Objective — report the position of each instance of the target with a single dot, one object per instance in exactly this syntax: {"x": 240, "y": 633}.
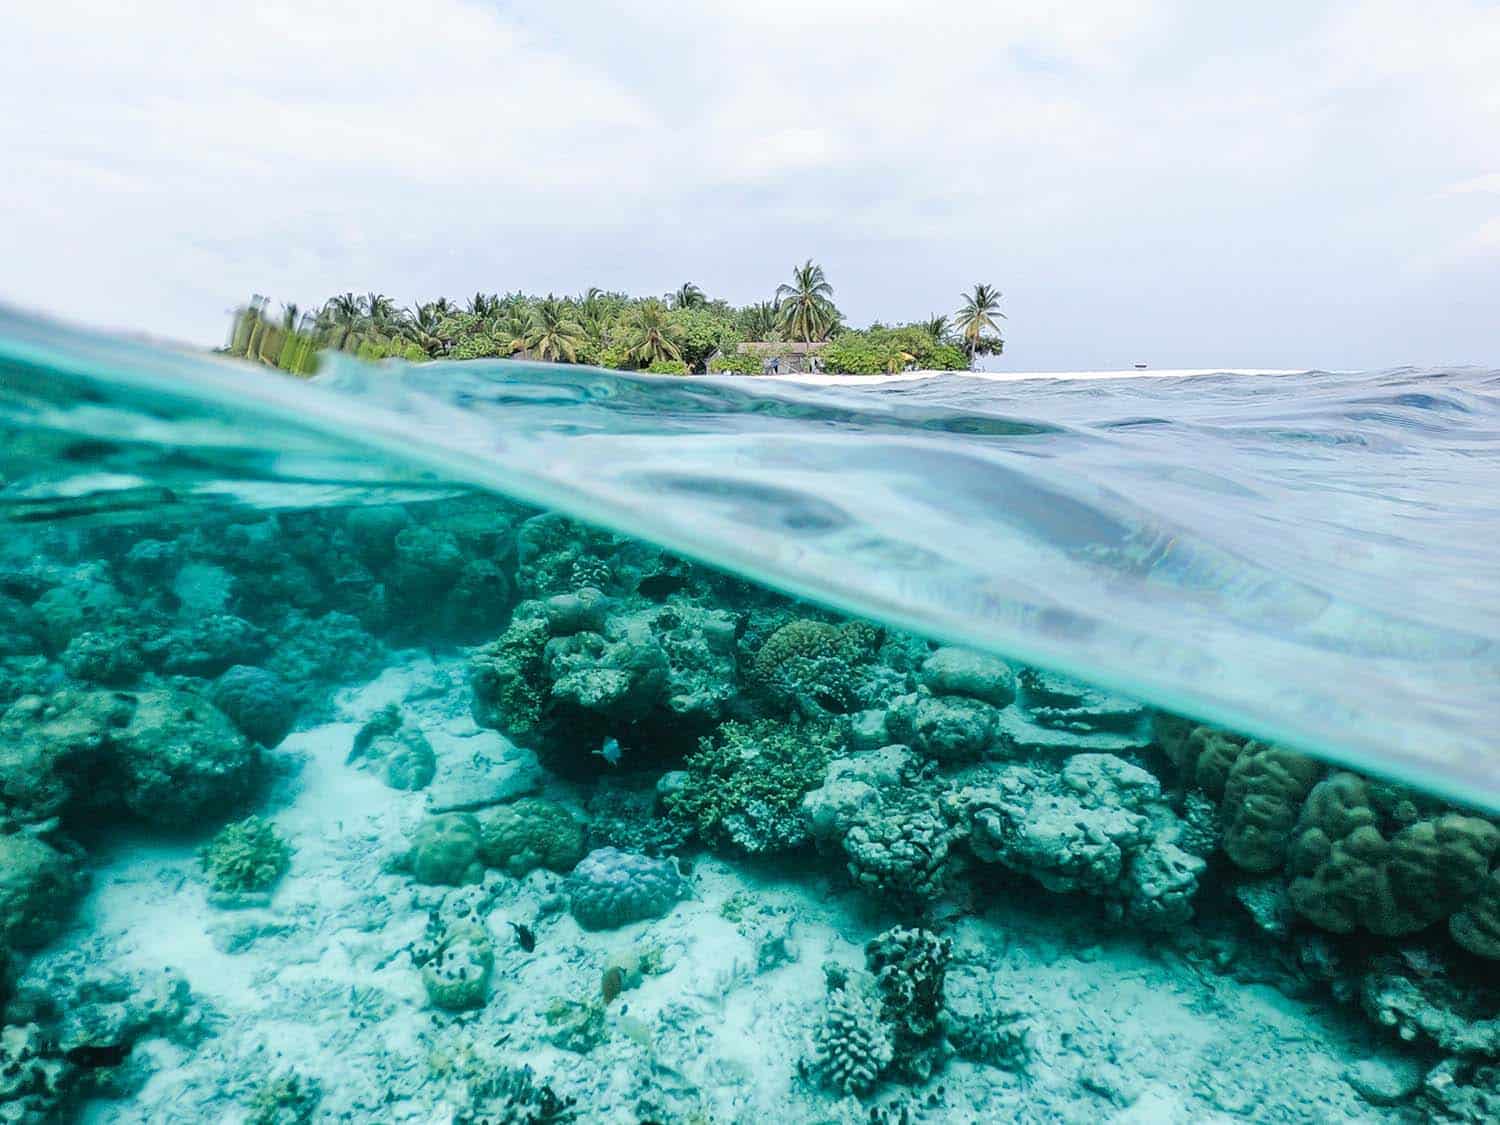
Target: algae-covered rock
{"x": 610, "y": 888}
{"x": 445, "y": 851}
{"x": 37, "y": 886}
{"x": 945, "y": 728}
{"x": 395, "y": 751}
{"x": 258, "y": 702}
{"x": 457, "y": 976}
{"x": 744, "y": 788}
{"x": 909, "y": 967}
{"x": 179, "y": 759}
{"x": 963, "y": 671}
{"x": 809, "y": 666}
{"x": 110, "y": 658}
{"x": 530, "y": 833}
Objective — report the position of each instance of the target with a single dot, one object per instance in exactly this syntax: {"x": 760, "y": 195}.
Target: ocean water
{"x": 501, "y": 742}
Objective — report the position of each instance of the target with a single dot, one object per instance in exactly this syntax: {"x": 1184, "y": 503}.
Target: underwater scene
{"x": 499, "y": 744}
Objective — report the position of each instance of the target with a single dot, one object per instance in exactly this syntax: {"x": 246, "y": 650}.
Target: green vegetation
{"x": 688, "y": 332}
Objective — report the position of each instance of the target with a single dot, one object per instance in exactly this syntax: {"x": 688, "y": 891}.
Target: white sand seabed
{"x": 1124, "y": 1030}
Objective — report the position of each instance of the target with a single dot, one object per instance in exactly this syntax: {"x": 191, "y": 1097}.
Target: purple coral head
{"x": 611, "y": 888}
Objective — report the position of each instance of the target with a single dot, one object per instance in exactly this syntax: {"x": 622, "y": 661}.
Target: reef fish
{"x": 610, "y": 751}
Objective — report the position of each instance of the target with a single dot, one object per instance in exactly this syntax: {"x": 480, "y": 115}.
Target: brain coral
{"x": 610, "y": 888}
{"x": 1263, "y": 796}
{"x": 1347, "y": 875}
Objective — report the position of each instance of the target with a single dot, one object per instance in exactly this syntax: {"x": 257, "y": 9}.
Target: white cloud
{"x": 1157, "y": 177}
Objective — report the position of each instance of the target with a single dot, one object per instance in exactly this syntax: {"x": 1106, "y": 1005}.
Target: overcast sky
{"x": 1294, "y": 184}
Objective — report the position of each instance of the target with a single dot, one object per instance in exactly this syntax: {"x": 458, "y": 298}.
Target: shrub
{"x": 736, "y": 363}
{"x": 668, "y": 367}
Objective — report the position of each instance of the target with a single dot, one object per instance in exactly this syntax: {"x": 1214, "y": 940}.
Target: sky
{"x": 1184, "y": 184}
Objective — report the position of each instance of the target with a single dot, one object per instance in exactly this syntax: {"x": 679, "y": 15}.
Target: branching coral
{"x": 745, "y": 786}
{"x": 246, "y": 857}
{"x": 852, "y": 1046}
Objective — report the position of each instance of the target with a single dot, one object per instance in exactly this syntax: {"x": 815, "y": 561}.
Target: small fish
{"x": 525, "y": 938}
{"x": 610, "y": 751}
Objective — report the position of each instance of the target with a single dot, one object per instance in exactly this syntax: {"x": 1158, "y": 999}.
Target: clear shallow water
{"x": 1307, "y": 557}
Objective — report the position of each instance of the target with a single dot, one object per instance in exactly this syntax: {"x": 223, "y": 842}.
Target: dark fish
{"x": 524, "y": 937}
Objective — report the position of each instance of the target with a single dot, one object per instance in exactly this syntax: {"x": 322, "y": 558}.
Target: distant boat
{"x": 1140, "y": 367}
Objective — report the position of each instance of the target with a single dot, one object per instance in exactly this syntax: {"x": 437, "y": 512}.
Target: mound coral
{"x": 1348, "y": 874}
{"x": 445, "y": 851}
{"x": 259, "y": 702}
{"x": 530, "y": 833}
{"x": 610, "y": 888}
{"x": 978, "y": 675}
{"x": 948, "y": 728}
{"x": 1263, "y": 795}
{"x": 457, "y": 975}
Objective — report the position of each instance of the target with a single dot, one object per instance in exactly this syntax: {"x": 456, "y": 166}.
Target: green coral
{"x": 249, "y": 856}
{"x": 445, "y": 851}
{"x": 530, "y": 833}
{"x": 508, "y": 675}
{"x": 744, "y": 787}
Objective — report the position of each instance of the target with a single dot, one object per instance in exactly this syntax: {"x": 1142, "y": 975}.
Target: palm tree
{"x": 758, "y": 321}
{"x": 975, "y": 315}
{"x": 651, "y": 335}
{"x": 554, "y": 334}
{"x": 512, "y": 329}
{"x": 482, "y": 305}
{"x": 806, "y": 305}
{"x": 380, "y": 310}
{"x": 688, "y": 296}
{"x": 343, "y": 316}
{"x": 936, "y": 326}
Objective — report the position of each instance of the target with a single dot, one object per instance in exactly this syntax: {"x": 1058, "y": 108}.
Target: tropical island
{"x": 800, "y": 329}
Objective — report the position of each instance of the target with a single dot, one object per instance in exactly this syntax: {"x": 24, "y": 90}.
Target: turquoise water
{"x": 1305, "y": 557}
{"x": 497, "y": 742}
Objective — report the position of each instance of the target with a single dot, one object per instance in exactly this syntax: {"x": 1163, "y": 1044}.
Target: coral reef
{"x": 909, "y": 967}
{"x": 37, "y": 885}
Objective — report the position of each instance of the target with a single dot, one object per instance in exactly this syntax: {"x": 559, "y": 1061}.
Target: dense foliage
{"x": 687, "y": 332}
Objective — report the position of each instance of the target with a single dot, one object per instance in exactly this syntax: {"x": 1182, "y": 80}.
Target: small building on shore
{"x": 785, "y": 357}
